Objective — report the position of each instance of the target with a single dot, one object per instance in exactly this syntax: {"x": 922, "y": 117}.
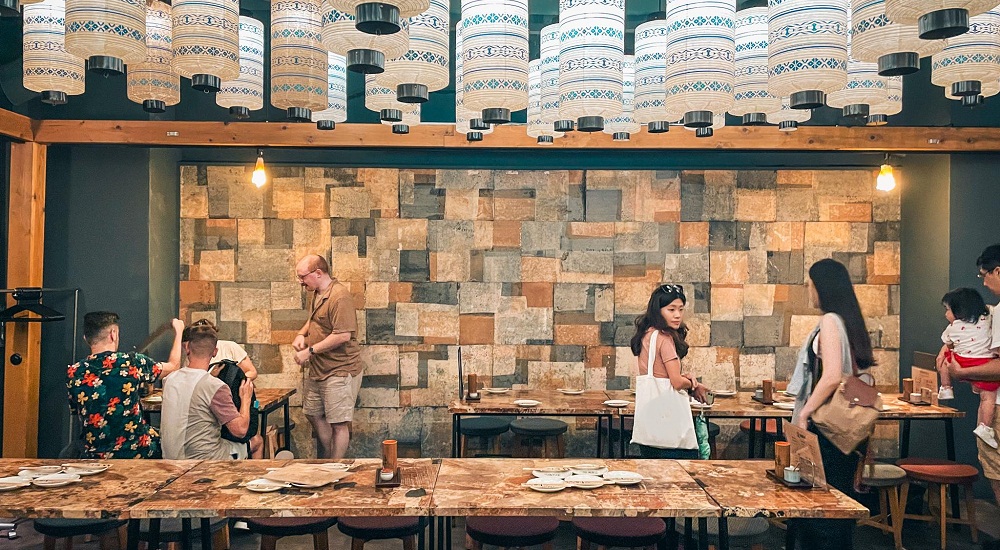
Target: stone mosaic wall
{"x": 536, "y": 275}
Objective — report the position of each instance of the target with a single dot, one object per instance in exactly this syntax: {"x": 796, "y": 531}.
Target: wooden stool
{"x": 770, "y": 434}
{"x": 713, "y": 432}
{"x": 364, "y": 529}
{"x": 110, "y": 532}
{"x": 488, "y": 429}
{"x": 887, "y": 479}
{"x": 511, "y": 532}
{"x": 618, "y": 532}
{"x": 547, "y": 432}
{"x": 942, "y": 473}
{"x": 272, "y": 529}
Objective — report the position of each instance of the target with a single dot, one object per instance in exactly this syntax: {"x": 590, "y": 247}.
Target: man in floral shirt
{"x": 104, "y": 390}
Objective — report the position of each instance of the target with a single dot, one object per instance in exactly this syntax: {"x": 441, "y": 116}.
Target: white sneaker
{"x": 986, "y": 434}
{"x": 945, "y": 393}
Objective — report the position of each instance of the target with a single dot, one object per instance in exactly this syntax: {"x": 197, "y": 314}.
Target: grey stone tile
{"x": 757, "y": 179}
{"x": 764, "y": 331}
{"x": 727, "y": 334}
{"x": 414, "y": 266}
{"x": 603, "y": 205}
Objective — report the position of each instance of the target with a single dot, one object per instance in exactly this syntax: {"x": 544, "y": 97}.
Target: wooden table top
{"x": 492, "y": 487}
{"x": 265, "y": 396}
{"x": 213, "y": 489}
{"x": 590, "y": 402}
{"x": 107, "y": 495}
{"x": 742, "y": 489}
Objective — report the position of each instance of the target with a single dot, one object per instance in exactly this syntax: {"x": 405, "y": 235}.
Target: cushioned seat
{"x": 538, "y": 427}
{"x": 511, "y": 532}
{"x": 886, "y": 478}
{"x": 289, "y": 527}
{"x": 713, "y": 430}
{"x": 883, "y": 475}
{"x": 933, "y": 470}
{"x": 378, "y": 528}
{"x": 942, "y": 473}
{"x": 546, "y": 433}
{"x": 770, "y": 427}
{"x": 485, "y": 426}
{"x": 620, "y": 532}
{"x": 59, "y": 528}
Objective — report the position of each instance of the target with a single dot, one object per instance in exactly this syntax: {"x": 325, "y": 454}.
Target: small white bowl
{"x": 622, "y": 477}
{"x": 582, "y": 481}
{"x": 545, "y": 485}
{"x": 55, "y": 480}
{"x": 265, "y": 485}
{"x": 589, "y": 469}
{"x": 527, "y": 403}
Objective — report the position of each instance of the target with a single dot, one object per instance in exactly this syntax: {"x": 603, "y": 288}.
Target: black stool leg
{"x": 133, "y": 534}
{"x": 702, "y": 533}
{"x": 154, "y": 534}
{"x": 186, "y": 533}
{"x": 421, "y": 543}
{"x": 752, "y": 438}
{"x": 671, "y": 533}
{"x": 723, "y": 533}
{"x": 790, "y": 532}
{"x": 688, "y": 534}
{"x": 206, "y": 532}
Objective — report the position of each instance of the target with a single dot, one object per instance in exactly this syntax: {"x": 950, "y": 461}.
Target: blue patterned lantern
{"x": 549, "y": 76}
{"x": 366, "y": 53}
{"x": 207, "y": 42}
{"x": 753, "y": 101}
{"x": 971, "y": 60}
{"x": 536, "y": 127}
{"x": 622, "y": 126}
{"x": 336, "y": 102}
{"x": 467, "y": 121}
{"x": 895, "y": 47}
{"x": 153, "y": 83}
{"x": 788, "y": 119}
{"x": 937, "y": 19}
{"x": 592, "y": 36}
{"x": 246, "y": 93}
{"x": 649, "y": 106}
{"x": 107, "y": 33}
{"x": 380, "y": 17}
{"x": 424, "y": 67}
{"x": 878, "y": 115}
{"x": 298, "y": 60}
{"x": 495, "y": 47}
{"x": 807, "y": 50}
{"x": 47, "y": 68}
{"x": 864, "y": 88}
{"x": 392, "y": 112}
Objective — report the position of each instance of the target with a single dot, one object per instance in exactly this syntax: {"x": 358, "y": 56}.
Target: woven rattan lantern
{"x": 649, "y": 107}
{"x": 878, "y": 115}
{"x": 47, "y": 68}
{"x": 537, "y": 127}
{"x": 752, "y": 100}
{"x": 424, "y": 67}
{"x": 298, "y": 60}
{"x": 336, "y": 102}
{"x": 971, "y": 59}
{"x": 701, "y": 55}
{"x": 495, "y": 47}
{"x": 107, "y": 33}
{"x": 864, "y": 88}
{"x": 788, "y": 119}
{"x": 206, "y": 42}
{"x": 592, "y": 36}
{"x": 895, "y": 47}
{"x": 380, "y": 17}
{"x": 623, "y": 125}
{"x": 467, "y": 121}
{"x": 807, "y": 50}
{"x": 153, "y": 83}
{"x": 246, "y": 93}
{"x": 937, "y": 19}
{"x": 366, "y": 53}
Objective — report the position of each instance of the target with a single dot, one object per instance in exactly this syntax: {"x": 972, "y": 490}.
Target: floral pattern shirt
{"x": 104, "y": 390}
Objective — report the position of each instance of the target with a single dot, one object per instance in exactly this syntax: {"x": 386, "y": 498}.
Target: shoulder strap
{"x": 651, "y": 354}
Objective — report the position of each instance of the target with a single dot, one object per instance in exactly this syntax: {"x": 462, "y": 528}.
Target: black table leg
{"x": 688, "y": 534}
{"x": 287, "y": 412}
{"x": 431, "y": 541}
{"x": 600, "y": 438}
{"x": 154, "y": 534}
{"x": 790, "y": 528}
{"x": 186, "y": 534}
{"x": 723, "y": 533}
{"x": 133, "y": 534}
{"x": 781, "y": 430}
{"x": 206, "y": 534}
{"x": 440, "y": 533}
{"x": 456, "y": 437}
{"x": 671, "y": 538}
{"x": 752, "y": 438}
{"x": 702, "y": 533}
{"x": 622, "y": 444}
{"x": 421, "y": 540}
{"x": 763, "y": 437}
{"x": 448, "y": 528}
{"x": 904, "y": 444}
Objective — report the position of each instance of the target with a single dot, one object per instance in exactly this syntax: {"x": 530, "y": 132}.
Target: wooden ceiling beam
{"x": 15, "y": 126}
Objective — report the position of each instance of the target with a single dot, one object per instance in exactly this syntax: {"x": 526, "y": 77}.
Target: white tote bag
{"x": 662, "y": 414}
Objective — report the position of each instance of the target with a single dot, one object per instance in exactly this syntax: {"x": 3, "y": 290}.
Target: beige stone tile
{"x": 551, "y": 375}
{"x": 540, "y": 270}
{"x": 258, "y": 326}
{"x": 400, "y": 234}
{"x": 592, "y": 230}
{"x": 380, "y": 360}
{"x": 478, "y": 359}
{"x": 699, "y": 328}
{"x": 504, "y": 360}
{"x": 265, "y": 264}
{"x": 350, "y": 267}
{"x": 349, "y": 202}
{"x": 570, "y": 297}
{"x": 625, "y": 363}
{"x": 756, "y": 205}
{"x": 832, "y": 234}
{"x": 483, "y": 235}
{"x": 311, "y": 237}
{"x": 286, "y": 295}
{"x": 235, "y": 301}
{"x": 604, "y": 304}
{"x": 288, "y": 197}
{"x": 382, "y": 185}
{"x": 250, "y": 232}
{"x": 407, "y": 319}
{"x": 729, "y": 267}
{"x": 785, "y": 236}
{"x": 409, "y": 371}
{"x": 449, "y": 266}
{"x": 758, "y": 300}
{"x": 886, "y": 369}
{"x": 194, "y": 201}
{"x": 693, "y": 235}
{"x": 632, "y": 298}
{"x": 859, "y": 237}
{"x": 479, "y": 297}
{"x": 716, "y": 371}
{"x": 385, "y": 398}
{"x": 756, "y": 367}
{"x": 516, "y": 323}
{"x": 800, "y": 328}
{"x": 376, "y": 295}
{"x": 874, "y": 299}
{"x": 833, "y": 211}
{"x": 440, "y": 322}
{"x": 886, "y": 258}
{"x": 217, "y": 265}
{"x": 720, "y": 177}
{"x": 727, "y": 303}
{"x": 888, "y": 328}
{"x": 797, "y": 177}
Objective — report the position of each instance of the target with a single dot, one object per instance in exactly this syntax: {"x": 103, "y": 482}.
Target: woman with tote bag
{"x": 664, "y": 427}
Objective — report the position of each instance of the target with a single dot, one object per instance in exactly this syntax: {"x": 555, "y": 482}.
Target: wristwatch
{"x": 311, "y": 351}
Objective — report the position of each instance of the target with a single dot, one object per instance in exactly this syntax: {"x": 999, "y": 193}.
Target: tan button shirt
{"x": 333, "y": 312}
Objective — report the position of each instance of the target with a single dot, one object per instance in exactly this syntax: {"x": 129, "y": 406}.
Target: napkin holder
{"x": 394, "y": 481}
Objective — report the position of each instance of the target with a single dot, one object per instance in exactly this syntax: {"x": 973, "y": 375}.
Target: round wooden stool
{"x": 769, "y": 434}
{"x": 942, "y": 473}
{"x": 545, "y": 433}
{"x": 488, "y": 429}
{"x": 272, "y": 529}
{"x": 109, "y": 532}
{"x": 887, "y": 479}
{"x": 618, "y": 532}
{"x": 511, "y": 532}
{"x": 364, "y": 529}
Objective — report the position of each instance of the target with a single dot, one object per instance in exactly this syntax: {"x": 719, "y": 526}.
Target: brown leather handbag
{"x": 848, "y": 418}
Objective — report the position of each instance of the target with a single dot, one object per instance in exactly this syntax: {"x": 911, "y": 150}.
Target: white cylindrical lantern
{"x": 382, "y": 100}
{"x": 897, "y": 48}
{"x": 365, "y": 53}
{"x": 592, "y": 36}
{"x": 549, "y": 74}
{"x": 806, "y": 50}
{"x": 495, "y": 47}
{"x": 753, "y": 101}
{"x": 47, "y": 68}
{"x": 878, "y": 115}
{"x": 864, "y": 88}
{"x": 537, "y": 127}
{"x": 971, "y": 59}
{"x": 207, "y": 42}
{"x": 623, "y": 125}
{"x": 937, "y": 19}
{"x": 651, "y": 76}
{"x": 467, "y": 121}
{"x": 718, "y": 121}
{"x": 246, "y": 93}
{"x": 298, "y": 60}
{"x": 380, "y": 17}
{"x": 701, "y": 55}
{"x": 153, "y": 83}
{"x": 107, "y": 33}
{"x": 788, "y": 119}
{"x": 424, "y": 67}
{"x": 336, "y": 102}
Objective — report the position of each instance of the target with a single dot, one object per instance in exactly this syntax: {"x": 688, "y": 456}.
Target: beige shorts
{"x": 988, "y": 456}
{"x": 333, "y": 398}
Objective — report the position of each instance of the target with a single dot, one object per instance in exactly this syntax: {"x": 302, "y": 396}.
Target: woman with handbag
{"x": 836, "y": 352}
{"x": 664, "y": 427}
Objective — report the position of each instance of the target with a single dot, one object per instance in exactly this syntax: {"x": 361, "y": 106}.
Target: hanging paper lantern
{"x": 879, "y": 114}
{"x": 623, "y": 125}
{"x": 937, "y": 19}
{"x": 971, "y": 59}
{"x": 153, "y": 83}
{"x": 701, "y": 56}
{"x": 336, "y": 102}
{"x": 752, "y": 100}
{"x": 549, "y": 77}
{"x": 107, "y": 33}
{"x": 496, "y": 57}
{"x": 246, "y": 93}
{"x": 864, "y": 89}
{"x": 298, "y": 61}
{"x": 806, "y": 50}
{"x": 788, "y": 119}
{"x": 651, "y": 76}
{"x": 467, "y": 122}
{"x": 424, "y": 67}
{"x": 47, "y": 67}
{"x": 380, "y": 18}
{"x": 592, "y": 36}
{"x": 538, "y": 128}
{"x": 366, "y": 53}
{"x": 207, "y": 42}
{"x": 895, "y": 47}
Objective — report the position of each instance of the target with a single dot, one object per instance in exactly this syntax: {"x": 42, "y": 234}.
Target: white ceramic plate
{"x": 13, "y": 482}
{"x": 724, "y": 393}
{"x": 265, "y": 485}
{"x": 527, "y": 403}
{"x": 785, "y": 406}
{"x": 788, "y": 394}
{"x": 496, "y": 390}
{"x": 546, "y": 485}
{"x": 570, "y": 391}
{"x": 622, "y": 477}
{"x": 584, "y": 481}
{"x": 308, "y": 485}
{"x": 617, "y": 403}
{"x": 699, "y": 405}
{"x": 588, "y": 469}
{"x": 335, "y": 466}
{"x": 55, "y": 480}
{"x": 154, "y": 399}
{"x": 85, "y": 468}
{"x": 36, "y": 471}
{"x": 550, "y": 475}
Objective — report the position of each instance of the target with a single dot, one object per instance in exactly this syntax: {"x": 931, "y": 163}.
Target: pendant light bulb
{"x": 259, "y": 177}
{"x": 885, "y": 181}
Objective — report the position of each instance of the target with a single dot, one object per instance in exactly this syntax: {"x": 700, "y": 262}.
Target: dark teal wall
{"x": 164, "y": 237}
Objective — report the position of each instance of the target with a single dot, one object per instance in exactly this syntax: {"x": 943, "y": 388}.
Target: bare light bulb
{"x": 886, "y": 181}
{"x": 259, "y": 177}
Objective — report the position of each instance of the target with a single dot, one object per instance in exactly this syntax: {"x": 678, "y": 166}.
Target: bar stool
{"x": 887, "y": 479}
{"x": 511, "y": 532}
{"x": 713, "y": 432}
{"x": 272, "y": 529}
{"x": 488, "y": 429}
{"x": 546, "y": 433}
{"x": 770, "y": 434}
{"x": 942, "y": 473}
{"x": 619, "y": 532}
{"x": 364, "y": 529}
{"x": 110, "y": 532}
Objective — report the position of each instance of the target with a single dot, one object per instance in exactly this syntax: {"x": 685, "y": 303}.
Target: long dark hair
{"x": 663, "y": 296}
{"x": 836, "y": 295}
{"x": 965, "y": 304}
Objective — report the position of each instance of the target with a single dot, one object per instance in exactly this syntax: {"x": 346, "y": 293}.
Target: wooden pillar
{"x": 25, "y": 252}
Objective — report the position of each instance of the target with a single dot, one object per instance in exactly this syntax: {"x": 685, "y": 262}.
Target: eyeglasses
{"x": 675, "y": 289}
{"x": 982, "y": 274}
{"x": 303, "y": 277}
